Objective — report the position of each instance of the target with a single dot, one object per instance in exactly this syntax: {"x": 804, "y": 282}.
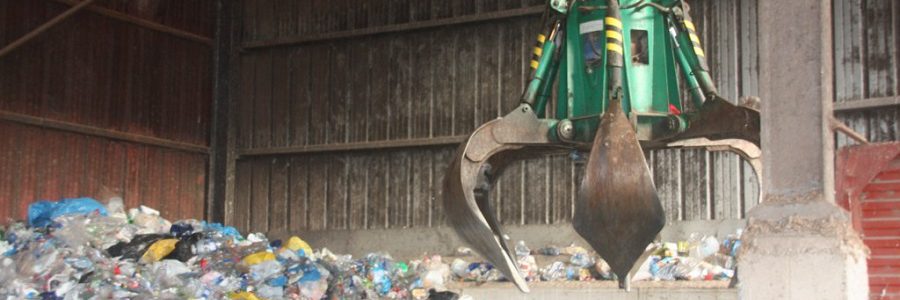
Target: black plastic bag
{"x": 445, "y": 295}
{"x": 182, "y": 250}
{"x": 135, "y": 248}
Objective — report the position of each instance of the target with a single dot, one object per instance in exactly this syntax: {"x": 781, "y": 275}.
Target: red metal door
{"x": 868, "y": 185}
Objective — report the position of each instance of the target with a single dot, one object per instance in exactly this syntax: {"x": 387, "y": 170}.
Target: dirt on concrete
{"x": 602, "y": 284}
{"x": 803, "y": 214}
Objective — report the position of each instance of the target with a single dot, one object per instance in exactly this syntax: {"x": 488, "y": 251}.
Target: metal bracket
{"x": 561, "y": 6}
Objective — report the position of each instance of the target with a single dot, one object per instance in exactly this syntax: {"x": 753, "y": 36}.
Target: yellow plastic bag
{"x": 243, "y": 296}
{"x": 158, "y": 250}
{"x": 295, "y": 243}
{"x": 257, "y": 257}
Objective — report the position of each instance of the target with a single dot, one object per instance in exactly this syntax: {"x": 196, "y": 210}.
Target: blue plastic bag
{"x": 42, "y": 213}
{"x": 225, "y": 230}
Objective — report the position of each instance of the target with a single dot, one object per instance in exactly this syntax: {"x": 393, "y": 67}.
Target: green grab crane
{"x": 618, "y": 67}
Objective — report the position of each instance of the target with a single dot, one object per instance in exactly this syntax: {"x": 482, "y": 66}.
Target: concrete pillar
{"x": 798, "y": 243}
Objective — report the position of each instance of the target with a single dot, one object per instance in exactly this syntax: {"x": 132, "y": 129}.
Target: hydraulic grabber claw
{"x": 722, "y": 126}
{"x": 719, "y": 119}
{"x": 623, "y": 71}
{"x": 617, "y": 210}
{"x": 478, "y": 162}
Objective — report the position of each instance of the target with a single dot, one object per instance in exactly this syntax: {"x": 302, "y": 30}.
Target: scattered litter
{"x": 79, "y": 248}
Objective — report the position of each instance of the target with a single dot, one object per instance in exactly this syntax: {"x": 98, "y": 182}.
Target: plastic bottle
{"x": 115, "y": 207}
{"x": 554, "y": 271}
{"x": 436, "y": 275}
{"x": 459, "y": 267}
{"x": 582, "y": 259}
{"x": 707, "y": 246}
{"x": 521, "y": 249}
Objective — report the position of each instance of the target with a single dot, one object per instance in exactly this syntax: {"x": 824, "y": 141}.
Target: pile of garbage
{"x": 79, "y": 248}
{"x": 698, "y": 258}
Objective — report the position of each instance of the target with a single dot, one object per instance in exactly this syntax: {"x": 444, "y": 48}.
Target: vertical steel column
{"x": 219, "y": 135}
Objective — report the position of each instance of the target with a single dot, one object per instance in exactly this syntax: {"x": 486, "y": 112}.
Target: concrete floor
{"x": 698, "y": 290}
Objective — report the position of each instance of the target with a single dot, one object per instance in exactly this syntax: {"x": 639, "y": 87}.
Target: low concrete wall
{"x": 413, "y": 242}
{"x": 604, "y": 290}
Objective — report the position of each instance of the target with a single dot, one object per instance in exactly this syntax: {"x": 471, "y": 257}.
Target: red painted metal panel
{"x": 134, "y": 162}
{"x": 884, "y": 270}
{"x": 151, "y": 183}
{"x": 882, "y": 232}
{"x": 114, "y": 166}
{"x": 885, "y": 251}
{"x": 6, "y": 163}
{"x": 868, "y": 182}
{"x": 168, "y": 204}
{"x": 885, "y": 213}
{"x": 26, "y": 171}
{"x": 876, "y": 194}
{"x": 882, "y": 243}
{"x": 889, "y": 175}
{"x": 891, "y": 187}
{"x": 878, "y": 263}
{"x": 869, "y": 224}
{"x": 100, "y": 72}
{"x": 38, "y": 164}
{"x": 881, "y": 280}
{"x": 91, "y": 179}
{"x": 96, "y": 71}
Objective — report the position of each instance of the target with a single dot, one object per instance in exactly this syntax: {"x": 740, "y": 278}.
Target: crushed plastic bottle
{"x": 115, "y": 207}
{"x": 84, "y": 256}
{"x": 708, "y": 245}
{"x": 459, "y": 267}
{"x": 582, "y": 259}
{"x": 553, "y": 272}
{"x": 148, "y": 220}
{"x": 522, "y": 249}
{"x": 528, "y": 267}
{"x": 436, "y": 274}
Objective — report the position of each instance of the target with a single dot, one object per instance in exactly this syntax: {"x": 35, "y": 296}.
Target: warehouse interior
{"x": 336, "y": 121}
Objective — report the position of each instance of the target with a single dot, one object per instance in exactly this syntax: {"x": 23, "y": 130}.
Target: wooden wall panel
{"x": 96, "y": 71}
{"x": 867, "y": 50}
{"x": 444, "y": 82}
{"x": 43, "y": 164}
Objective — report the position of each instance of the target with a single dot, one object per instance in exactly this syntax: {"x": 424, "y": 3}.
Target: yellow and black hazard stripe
{"x": 538, "y": 49}
{"x": 614, "y": 35}
{"x": 695, "y": 42}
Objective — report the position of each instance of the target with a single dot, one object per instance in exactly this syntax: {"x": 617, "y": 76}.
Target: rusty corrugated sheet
{"x": 104, "y": 73}
{"x": 868, "y": 179}
{"x": 867, "y": 50}
{"x": 48, "y": 164}
{"x": 434, "y": 82}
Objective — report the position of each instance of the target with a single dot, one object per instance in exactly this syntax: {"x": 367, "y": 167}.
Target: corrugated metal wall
{"x": 867, "y": 50}
{"x": 107, "y": 75}
{"x": 299, "y": 87}
{"x": 867, "y": 68}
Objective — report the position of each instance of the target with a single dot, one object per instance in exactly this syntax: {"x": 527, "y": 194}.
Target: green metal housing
{"x": 658, "y": 42}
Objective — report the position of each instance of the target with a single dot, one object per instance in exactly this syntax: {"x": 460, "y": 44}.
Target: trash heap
{"x": 698, "y": 258}
{"x": 79, "y": 248}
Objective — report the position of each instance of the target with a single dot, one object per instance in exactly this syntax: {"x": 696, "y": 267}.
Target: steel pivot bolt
{"x": 565, "y": 130}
